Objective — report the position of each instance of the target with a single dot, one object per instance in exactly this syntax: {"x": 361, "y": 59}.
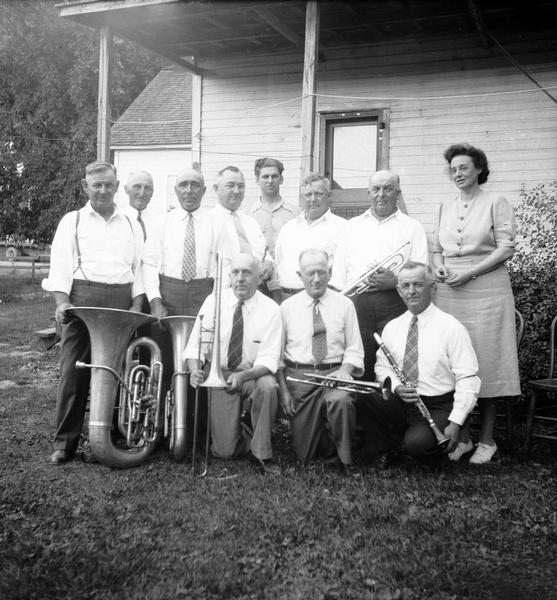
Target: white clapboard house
{"x": 346, "y": 88}
{"x": 154, "y": 135}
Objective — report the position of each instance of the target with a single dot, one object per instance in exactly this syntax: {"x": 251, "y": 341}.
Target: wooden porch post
{"x": 103, "y": 105}
{"x": 311, "y": 50}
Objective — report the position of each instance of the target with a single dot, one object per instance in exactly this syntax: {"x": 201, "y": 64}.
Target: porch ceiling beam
{"x": 174, "y": 58}
{"x": 279, "y": 25}
{"x": 476, "y": 13}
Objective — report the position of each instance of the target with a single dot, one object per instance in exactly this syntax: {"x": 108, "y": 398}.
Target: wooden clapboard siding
{"x": 246, "y": 113}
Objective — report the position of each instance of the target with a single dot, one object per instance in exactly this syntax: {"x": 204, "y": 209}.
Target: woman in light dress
{"x": 474, "y": 236}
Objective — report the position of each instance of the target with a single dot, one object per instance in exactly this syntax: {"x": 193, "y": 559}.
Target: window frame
{"x": 348, "y": 203}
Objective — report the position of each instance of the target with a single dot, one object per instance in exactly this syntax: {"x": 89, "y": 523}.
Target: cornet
{"x": 392, "y": 262}
{"x": 347, "y": 385}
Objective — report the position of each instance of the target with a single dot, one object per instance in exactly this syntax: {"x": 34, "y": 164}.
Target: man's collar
{"x": 428, "y": 310}
{"x": 309, "y": 300}
{"x": 325, "y": 216}
{"x": 275, "y": 206}
{"x": 394, "y": 215}
{"x": 89, "y": 209}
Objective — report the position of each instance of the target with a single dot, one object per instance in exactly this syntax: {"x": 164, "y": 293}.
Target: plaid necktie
{"x": 245, "y": 246}
{"x": 140, "y": 221}
{"x": 236, "y": 337}
{"x": 319, "y": 338}
{"x": 410, "y": 364}
{"x": 188, "y": 261}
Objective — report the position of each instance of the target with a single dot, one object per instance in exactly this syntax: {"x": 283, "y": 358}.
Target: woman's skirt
{"x": 485, "y": 306}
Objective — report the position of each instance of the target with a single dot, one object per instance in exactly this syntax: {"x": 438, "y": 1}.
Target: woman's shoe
{"x": 483, "y": 454}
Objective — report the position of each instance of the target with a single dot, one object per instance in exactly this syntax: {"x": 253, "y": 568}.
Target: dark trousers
{"x": 396, "y": 425}
{"x": 181, "y": 298}
{"x": 375, "y": 310}
{"x": 74, "y": 383}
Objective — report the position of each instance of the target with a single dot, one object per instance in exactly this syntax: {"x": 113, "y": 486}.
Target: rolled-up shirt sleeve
{"x": 62, "y": 257}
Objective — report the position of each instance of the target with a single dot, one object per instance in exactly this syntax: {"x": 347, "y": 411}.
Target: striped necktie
{"x": 410, "y": 364}
{"x": 319, "y": 338}
{"x": 189, "y": 267}
{"x": 236, "y": 337}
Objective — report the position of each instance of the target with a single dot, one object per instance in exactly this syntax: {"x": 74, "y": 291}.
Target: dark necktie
{"x": 410, "y": 364}
{"x": 140, "y": 221}
{"x": 188, "y": 261}
{"x": 236, "y": 337}
{"x": 319, "y": 338}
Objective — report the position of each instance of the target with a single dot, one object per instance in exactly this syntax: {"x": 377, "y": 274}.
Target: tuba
{"x": 110, "y": 331}
{"x": 176, "y": 404}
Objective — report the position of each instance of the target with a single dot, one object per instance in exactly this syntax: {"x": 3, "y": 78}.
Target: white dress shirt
{"x": 367, "y": 240}
{"x": 262, "y": 341}
{"x": 251, "y": 227}
{"x": 344, "y": 343}
{"x": 325, "y": 233}
{"x": 110, "y": 251}
{"x": 147, "y": 216}
{"x": 164, "y": 249}
{"x": 446, "y": 358}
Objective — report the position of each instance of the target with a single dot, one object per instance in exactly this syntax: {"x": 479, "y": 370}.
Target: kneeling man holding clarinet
{"x": 428, "y": 357}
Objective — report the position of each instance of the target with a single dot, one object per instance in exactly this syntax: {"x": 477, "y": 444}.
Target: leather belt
{"x": 312, "y": 366}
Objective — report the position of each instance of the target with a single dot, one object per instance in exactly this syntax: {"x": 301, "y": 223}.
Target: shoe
{"x": 483, "y": 454}
{"x": 351, "y": 471}
{"x": 59, "y": 457}
{"x": 387, "y": 459}
{"x": 88, "y": 457}
{"x": 269, "y": 466}
{"x": 461, "y": 449}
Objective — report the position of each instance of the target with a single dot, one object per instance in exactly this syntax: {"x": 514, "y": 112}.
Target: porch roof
{"x": 187, "y": 32}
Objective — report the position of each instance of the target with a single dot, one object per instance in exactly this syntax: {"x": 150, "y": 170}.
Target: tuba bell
{"x": 176, "y": 404}
{"x": 110, "y": 331}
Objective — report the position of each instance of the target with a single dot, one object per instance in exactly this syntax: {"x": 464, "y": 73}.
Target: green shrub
{"x": 533, "y": 272}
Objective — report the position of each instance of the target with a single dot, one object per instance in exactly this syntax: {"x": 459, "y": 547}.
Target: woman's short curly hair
{"x": 477, "y": 155}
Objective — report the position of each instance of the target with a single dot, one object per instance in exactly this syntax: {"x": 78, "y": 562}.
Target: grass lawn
{"x": 416, "y": 531}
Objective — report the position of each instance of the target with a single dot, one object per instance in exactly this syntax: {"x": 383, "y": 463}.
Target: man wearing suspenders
{"x": 95, "y": 260}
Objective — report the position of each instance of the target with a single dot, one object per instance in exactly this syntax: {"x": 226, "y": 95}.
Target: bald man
{"x": 250, "y": 346}
{"x": 368, "y": 239}
{"x": 179, "y": 261}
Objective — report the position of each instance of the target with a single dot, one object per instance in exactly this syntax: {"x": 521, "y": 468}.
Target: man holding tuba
{"x": 369, "y": 238}
{"x": 320, "y": 335}
{"x": 94, "y": 261}
{"x": 249, "y": 339}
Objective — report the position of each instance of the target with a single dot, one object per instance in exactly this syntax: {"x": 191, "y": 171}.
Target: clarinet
{"x": 442, "y": 439}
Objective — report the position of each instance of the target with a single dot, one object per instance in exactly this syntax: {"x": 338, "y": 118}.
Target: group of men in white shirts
{"x": 282, "y": 316}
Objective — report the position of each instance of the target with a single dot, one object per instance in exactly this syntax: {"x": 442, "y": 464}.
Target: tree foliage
{"x": 48, "y": 111}
{"x": 533, "y": 271}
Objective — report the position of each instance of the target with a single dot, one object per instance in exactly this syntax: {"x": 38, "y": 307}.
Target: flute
{"x": 442, "y": 439}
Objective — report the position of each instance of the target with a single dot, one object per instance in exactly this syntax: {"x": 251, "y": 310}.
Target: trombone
{"x": 215, "y": 378}
{"x": 392, "y": 262}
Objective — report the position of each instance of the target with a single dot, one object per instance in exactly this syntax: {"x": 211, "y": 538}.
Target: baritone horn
{"x": 110, "y": 331}
{"x": 176, "y": 402}
{"x": 392, "y": 262}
